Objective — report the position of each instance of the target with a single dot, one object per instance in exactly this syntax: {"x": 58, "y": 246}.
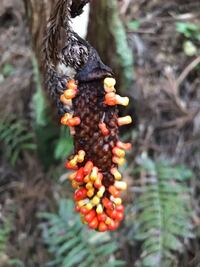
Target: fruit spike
{"x": 97, "y": 182}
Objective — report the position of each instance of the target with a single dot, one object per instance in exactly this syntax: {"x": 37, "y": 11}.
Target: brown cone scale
{"x": 89, "y": 106}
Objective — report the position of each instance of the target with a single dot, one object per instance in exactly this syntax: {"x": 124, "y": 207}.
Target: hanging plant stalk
{"x": 84, "y": 90}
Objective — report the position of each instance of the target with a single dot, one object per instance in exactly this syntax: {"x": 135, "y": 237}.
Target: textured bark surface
{"x": 107, "y": 34}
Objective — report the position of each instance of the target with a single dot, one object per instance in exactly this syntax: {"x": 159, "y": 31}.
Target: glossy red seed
{"x": 120, "y": 208}
{"x": 94, "y": 223}
{"x": 101, "y": 217}
{"x": 70, "y": 167}
{"x": 119, "y": 216}
{"x": 90, "y": 216}
{"x": 80, "y": 175}
{"x": 80, "y": 194}
{"x": 88, "y": 168}
{"x": 113, "y": 226}
{"x": 113, "y": 190}
{"x": 107, "y": 203}
{"x": 102, "y": 227}
{"x": 84, "y": 211}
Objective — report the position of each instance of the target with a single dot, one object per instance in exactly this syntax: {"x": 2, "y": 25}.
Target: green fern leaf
{"x": 72, "y": 244}
{"x": 163, "y": 212}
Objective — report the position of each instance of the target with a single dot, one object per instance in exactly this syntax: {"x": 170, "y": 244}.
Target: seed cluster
{"x": 98, "y": 151}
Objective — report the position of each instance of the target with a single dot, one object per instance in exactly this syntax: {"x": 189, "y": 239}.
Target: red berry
{"x": 102, "y": 227}
{"x": 113, "y": 226}
{"x": 107, "y": 203}
{"x": 80, "y": 194}
{"x": 84, "y": 211}
{"x": 120, "y": 208}
{"x": 80, "y": 175}
{"x": 94, "y": 223}
{"x": 111, "y": 213}
{"x": 119, "y": 216}
{"x": 101, "y": 217}
{"x": 88, "y": 168}
{"x": 90, "y": 216}
{"x": 69, "y": 166}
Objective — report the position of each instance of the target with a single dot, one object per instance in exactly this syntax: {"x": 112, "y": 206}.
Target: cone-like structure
{"x": 98, "y": 151}
{"x": 84, "y": 92}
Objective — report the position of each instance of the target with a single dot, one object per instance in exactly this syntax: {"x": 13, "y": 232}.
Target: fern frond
{"x": 4, "y": 235}
{"x": 163, "y": 213}
{"x": 16, "y": 137}
{"x": 64, "y": 144}
{"x": 72, "y": 244}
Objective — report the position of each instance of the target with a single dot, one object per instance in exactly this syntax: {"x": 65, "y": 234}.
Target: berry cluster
{"x": 98, "y": 152}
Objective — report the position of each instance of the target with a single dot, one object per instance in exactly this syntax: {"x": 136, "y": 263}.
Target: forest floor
{"x": 165, "y": 94}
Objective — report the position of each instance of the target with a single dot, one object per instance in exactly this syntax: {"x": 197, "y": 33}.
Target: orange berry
{"x": 113, "y": 226}
{"x": 83, "y": 210}
{"x": 94, "y": 223}
{"x": 118, "y": 152}
{"x": 104, "y": 129}
{"x": 101, "y": 217}
{"x": 111, "y": 213}
{"x": 113, "y": 190}
{"x": 69, "y": 166}
{"x": 88, "y": 168}
{"x": 73, "y": 121}
{"x": 107, "y": 203}
{"x": 79, "y": 175}
{"x": 125, "y": 146}
{"x": 90, "y": 216}
{"x": 71, "y": 84}
{"x": 98, "y": 182}
{"x": 119, "y": 216}
{"x": 80, "y": 194}
{"x": 120, "y": 208}
{"x": 102, "y": 227}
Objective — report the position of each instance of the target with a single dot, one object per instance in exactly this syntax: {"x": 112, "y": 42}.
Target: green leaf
{"x": 163, "y": 216}
{"x": 134, "y": 25}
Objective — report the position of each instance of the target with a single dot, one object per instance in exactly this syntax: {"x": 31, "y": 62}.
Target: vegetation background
{"x": 153, "y": 47}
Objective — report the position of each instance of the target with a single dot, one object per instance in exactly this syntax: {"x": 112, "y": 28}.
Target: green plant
{"x": 134, "y": 25}
{"x": 189, "y": 30}
{"x": 16, "y": 137}
{"x": 163, "y": 212}
{"x": 64, "y": 144}
{"x": 72, "y": 245}
{"x": 191, "y": 33}
{"x": 4, "y": 235}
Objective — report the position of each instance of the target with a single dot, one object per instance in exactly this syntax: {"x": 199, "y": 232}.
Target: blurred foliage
{"x": 5, "y": 232}
{"x": 54, "y": 143}
{"x": 116, "y": 27}
{"x": 134, "y": 25}
{"x": 163, "y": 212}
{"x": 64, "y": 144}
{"x": 7, "y": 69}
{"x": 191, "y": 32}
{"x": 16, "y": 136}
{"x": 72, "y": 244}
{"x": 4, "y": 235}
